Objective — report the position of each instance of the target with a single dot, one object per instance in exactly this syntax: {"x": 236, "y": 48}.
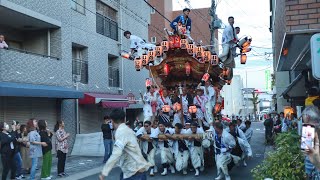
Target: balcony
{"x": 107, "y": 27}
{"x": 30, "y": 14}
{"x": 32, "y": 68}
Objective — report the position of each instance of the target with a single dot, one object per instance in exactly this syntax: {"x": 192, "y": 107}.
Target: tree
{"x": 255, "y": 99}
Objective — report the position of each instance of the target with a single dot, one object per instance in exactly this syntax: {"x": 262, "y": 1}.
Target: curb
{"x": 83, "y": 174}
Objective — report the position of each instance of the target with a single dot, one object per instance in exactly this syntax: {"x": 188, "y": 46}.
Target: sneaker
{"x": 60, "y": 175}
{"x": 172, "y": 169}
{"x": 18, "y": 178}
{"x": 219, "y": 177}
{"x": 184, "y": 172}
{"x": 197, "y": 172}
{"x": 202, "y": 168}
{"x": 22, "y": 176}
{"x": 65, "y": 174}
{"x": 151, "y": 172}
{"x": 228, "y": 177}
{"x": 47, "y": 178}
{"x": 155, "y": 169}
{"x": 165, "y": 172}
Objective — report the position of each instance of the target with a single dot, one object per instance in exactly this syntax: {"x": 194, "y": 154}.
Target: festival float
{"x": 177, "y": 62}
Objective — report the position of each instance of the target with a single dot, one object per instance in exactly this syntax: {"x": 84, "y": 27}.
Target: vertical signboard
{"x": 315, "y": 55}
{"x": 267, "y": 76}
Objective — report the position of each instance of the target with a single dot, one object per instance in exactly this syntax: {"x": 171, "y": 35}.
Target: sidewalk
{"x": 77, "y": 167}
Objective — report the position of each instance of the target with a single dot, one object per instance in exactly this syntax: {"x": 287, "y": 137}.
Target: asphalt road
{"x": 237, "y": 173}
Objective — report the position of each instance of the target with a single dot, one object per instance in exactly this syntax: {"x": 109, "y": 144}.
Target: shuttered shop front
{"x": 21, "y": 109}
{"x": 91, "y": 118}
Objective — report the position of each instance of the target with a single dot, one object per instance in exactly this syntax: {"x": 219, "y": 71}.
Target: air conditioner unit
{"x": 153, "y": 39}
{"x": 76, "y": 78}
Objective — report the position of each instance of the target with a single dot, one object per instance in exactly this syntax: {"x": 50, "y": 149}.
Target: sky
{"x": 253, "y": 19}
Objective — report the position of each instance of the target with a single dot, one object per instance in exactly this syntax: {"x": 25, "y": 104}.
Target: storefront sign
{"x": 315, "y": 55}
{"x": 131, "y": 98}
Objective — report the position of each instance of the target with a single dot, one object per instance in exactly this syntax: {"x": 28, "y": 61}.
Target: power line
{"x": 197, "y": 11}
{"x": 262, "y": 47}
{"x": 225, "y": 1}
{"x": 157, "y": 11}
{"x": 204, "y": 38}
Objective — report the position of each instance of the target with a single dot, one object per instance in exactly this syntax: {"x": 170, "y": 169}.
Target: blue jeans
{"x": 138, "y": 176}
{"x": 108, "y": 144}
{"x": 18, "y": 161}
{"x": 34, "y": 164}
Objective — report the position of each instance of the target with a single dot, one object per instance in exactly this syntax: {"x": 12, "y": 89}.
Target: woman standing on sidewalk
{"x": 61, "y": 146}
{"x": 35, "y": 146}
{"x": 7, "y": 151}
{"x": 46, "y": 136}
{"x": 24, "y": 149}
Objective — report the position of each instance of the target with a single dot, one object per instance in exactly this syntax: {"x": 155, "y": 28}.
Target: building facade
{"x": 234, "y": 100}
{"x": 61, "y": 51}
{"x": 292, "y": 23}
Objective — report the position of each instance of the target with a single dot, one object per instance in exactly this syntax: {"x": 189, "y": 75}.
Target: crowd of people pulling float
{"x": 182, "y": 103}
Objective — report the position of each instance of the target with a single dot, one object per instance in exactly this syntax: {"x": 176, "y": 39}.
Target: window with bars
{"x": 78, "y": 5}
{"x": 79, "y": 65}
{"x": 106, "y": 21}
{"x": 113, "y": 71}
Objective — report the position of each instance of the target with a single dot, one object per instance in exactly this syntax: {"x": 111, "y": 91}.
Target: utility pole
{"x": 212, "y": 26}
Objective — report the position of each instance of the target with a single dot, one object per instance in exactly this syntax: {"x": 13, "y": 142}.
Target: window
{"x": 106, "y": 21}
{"x": 78, "y": 5}
{"x": 153, "y": 39}
{"x": 113, "y": 71}
{"x": 80, "y": 64}
{"x": 153, "y": 11}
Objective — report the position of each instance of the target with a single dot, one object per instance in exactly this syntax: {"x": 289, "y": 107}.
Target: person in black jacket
{"x": 17, "y": 155}
{"x": 106, "y": 129}
{"x": 7, "y": 151}
{"x": 46, "y": 137}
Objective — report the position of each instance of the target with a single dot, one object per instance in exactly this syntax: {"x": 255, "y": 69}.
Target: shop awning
{"x": 33, "y": 90}
{"x": 106, "y": 100}
{"x": 296, "y": 88}
{"x": 114, "y": 104}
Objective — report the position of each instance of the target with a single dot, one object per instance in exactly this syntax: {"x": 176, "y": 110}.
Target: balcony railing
{"x": 114, "y": 77}
{"x": 31, "y": 53}
{"x": 80, "y": 68}
{"x": 107, "y": 27}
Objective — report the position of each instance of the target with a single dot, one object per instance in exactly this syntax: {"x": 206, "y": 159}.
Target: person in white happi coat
{"x": 148, "y": 148}
{"x": 209, "y": 93}
{"x": 164, "y": 99}
{"x": 180, "y": 148}
{"x": 248, "y": 132}
{"x": 187, "y": 100}
{"x": 164, "y": 144}
{"x": 240, "y": 125}
{"x": 195, "y": 147}
{"x": 243, "y": 148}
{"x": 148, "y": 99}
{"x": 138, "y": 44}
{"x": 223, "y": 143}
{"x": 229, "y": 40}
{"x": 199, "y": 101}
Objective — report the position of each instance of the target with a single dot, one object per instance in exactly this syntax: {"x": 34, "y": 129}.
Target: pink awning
{"x": 114, "y": 104}
{"x": 106, "y": 100}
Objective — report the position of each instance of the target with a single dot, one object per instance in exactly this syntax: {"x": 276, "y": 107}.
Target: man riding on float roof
{"x": 183, "y": 19}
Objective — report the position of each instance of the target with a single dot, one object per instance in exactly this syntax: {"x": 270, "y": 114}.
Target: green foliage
{"x": 286, "y": 162}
